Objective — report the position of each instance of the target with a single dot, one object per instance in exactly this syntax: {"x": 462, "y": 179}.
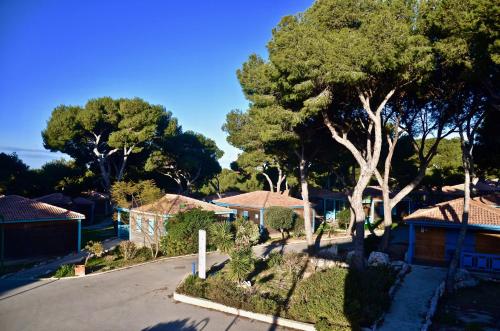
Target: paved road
{"x": 411, "y": 302}
{"x": 137, "y": 298}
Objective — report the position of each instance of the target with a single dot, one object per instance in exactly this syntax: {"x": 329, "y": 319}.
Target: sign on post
{"x": 202, "y": 254}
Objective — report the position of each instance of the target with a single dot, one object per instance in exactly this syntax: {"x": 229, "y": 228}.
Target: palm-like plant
{"x": 221, "y": 236}
{"x": 240, "y": 265}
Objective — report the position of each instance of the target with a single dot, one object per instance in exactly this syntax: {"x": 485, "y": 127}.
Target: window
{"x": 151, "y": 227}
{"x": 138, "y": 223}
{"x": 245, "y": 214}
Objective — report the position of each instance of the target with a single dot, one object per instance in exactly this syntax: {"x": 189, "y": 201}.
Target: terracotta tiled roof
{"x": 490, "y": 199}
{"x": 479, "y": 186}
{"x": 451, "y": 212}
{"x": 17, "y": 208}
{"x": 55, "y": 198}
{"x": 171, "y": 204}
{"x": 261, "y": 199}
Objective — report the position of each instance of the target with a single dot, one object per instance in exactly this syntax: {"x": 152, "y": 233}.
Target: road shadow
{"x": 179, "y": 325}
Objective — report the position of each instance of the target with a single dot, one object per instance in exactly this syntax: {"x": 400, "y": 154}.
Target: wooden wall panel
{"x": 430, "y": 244}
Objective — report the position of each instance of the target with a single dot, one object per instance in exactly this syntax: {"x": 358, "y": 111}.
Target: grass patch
{"x": 66, "y": 270}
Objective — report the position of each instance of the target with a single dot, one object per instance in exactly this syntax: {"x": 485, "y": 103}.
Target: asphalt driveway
{"x": 138, "y": 298}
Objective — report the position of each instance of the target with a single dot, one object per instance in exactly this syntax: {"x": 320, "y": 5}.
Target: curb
{"x": 274, "y": 320}
{"x": 438, "y": 293}
{"x": 127, "y": 267}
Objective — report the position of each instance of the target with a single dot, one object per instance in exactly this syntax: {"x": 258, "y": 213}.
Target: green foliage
{"x": 105, "y": 127}
{"x": 241, "y": 264}
{"x": 226, "y": 292}
{"x": 221, "y": 236}
{"x": 247, "y": 232}
{"x": 342, "y": 298}
{"x": 344, "y": 217}
{"x": 130, "y": 194}
{"x": 14, "y": 175}
{"x": 274, "y": 259}
{"x": 280, "y": 218}
{"x": 66, "y": 270}
{"x": 182, "y": 231}
{"x": 193, "y": 286}
{"x": 189, "y": 158}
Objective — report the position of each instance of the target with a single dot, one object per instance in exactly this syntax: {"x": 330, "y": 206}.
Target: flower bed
{"x": 292, "y": 287}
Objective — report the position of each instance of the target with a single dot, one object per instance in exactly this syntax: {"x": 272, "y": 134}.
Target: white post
{"x": 202, "y": 254}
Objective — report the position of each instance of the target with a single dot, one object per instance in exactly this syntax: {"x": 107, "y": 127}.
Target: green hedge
{"x": 182, "y": 231}
{"x": 342, "y": 298}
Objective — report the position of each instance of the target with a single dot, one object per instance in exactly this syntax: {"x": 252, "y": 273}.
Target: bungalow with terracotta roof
{"x": 329, "y": 203}
{"x": 146, "y": 223}
{"x": 434, "y": 232}
{"x": 78, "y": 204}
{"x": 32, "y": 228}
{"x": 252, "y": 205}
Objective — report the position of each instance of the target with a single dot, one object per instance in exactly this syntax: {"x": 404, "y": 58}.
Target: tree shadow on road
{"x": 179, "y": 325}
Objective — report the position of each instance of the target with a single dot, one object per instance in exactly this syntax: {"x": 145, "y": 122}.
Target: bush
{"x": 280, "y": 218}
{"x": 95, "y": 247}
{"x": 241, "y": 264}
{"x": 298, "y": 226}
{"x": 193, "y": 286}
{"x": 66, "y": 270}
{"x": 247, "y": 232}
{"x": 127, "y": 249}
{"x": 341, "y": 298}
{"x": 221, "y": 236}
{"x": 182, "y": 231}
{"x": 144, "y": 254}
{"x": 343, "y": 218}
{"x": 226, "y": 292}
{"x": 274, "y": 259}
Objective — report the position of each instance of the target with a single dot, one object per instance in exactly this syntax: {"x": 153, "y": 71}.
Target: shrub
{"x": 127, "y": 249}
{"x": 193, "y": 286}
{"x": 341, "y": 298}
{"x": 298, "y": 226}
{"x": 280, "y": 218}
{"x": 247, "y": 232}
{"x": 182, "y": 231}
{"x": 221, "y": 236}
{"x": 241, "y": 264}
{"x": 343, "y": 218}
{"x": 144, "y": 254}
{"x": 225, "y": 292}
{"x": 66, "y": 270}
{"x": 95, "y": 247}
{"x": 274, "y": 259}
{"x": 264, "y": 304}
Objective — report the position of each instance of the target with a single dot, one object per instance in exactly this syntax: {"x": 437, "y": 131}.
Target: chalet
{"x": 32, "y": 228}
{"x": 252, "y": 205}
{"x": 329, "y": 203}
{"x": 434, "y": 231}
{"x": 146, "y": 223}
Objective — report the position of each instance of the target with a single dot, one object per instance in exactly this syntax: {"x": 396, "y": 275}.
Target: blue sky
{"x": 181, "y": 54}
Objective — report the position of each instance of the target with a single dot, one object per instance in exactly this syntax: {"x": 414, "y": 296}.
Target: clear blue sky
{"x": 181, "y": 54}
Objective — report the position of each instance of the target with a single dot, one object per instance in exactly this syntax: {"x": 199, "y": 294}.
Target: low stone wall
{"x": 244, "y": 313}
{"x": 433, "y": 306}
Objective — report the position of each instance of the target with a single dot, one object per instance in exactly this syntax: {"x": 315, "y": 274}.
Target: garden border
{"x": 271, "y": 319}
{"x": 127, "y": 267}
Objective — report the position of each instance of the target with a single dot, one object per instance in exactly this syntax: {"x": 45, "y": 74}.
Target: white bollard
{"x": 202, "y": 254}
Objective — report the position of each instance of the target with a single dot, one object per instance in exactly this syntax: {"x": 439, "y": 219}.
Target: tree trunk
{"x": 307, "y": 207}
{"x": 467, "y": 161}
{"x": 269, "y": 181}
{"x": 122, "y": 169}
{"x": 359, "y": 219}
{"x": 105, "y": 174}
